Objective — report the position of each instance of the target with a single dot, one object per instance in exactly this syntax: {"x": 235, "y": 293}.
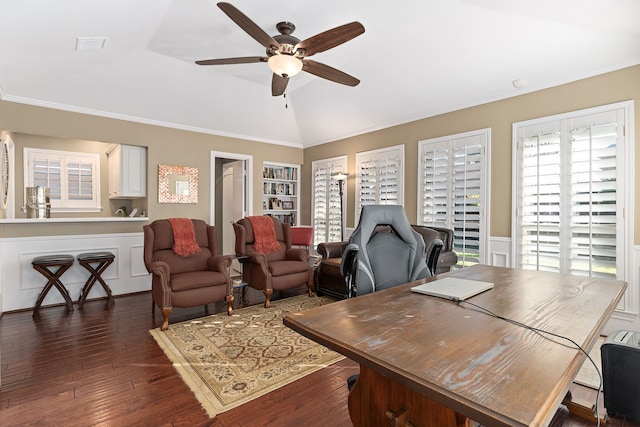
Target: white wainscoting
{"x": 21, "y": 284}
{"x": 499, "y": 252}
{"x": 626, "y": 316}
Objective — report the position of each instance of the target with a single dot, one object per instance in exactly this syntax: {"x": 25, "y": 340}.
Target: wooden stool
{"x": 103, "y": 259}
{"x": 44, "y": 264}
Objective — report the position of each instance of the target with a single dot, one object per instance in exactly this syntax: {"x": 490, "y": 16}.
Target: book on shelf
{"x": 284, "y": 173}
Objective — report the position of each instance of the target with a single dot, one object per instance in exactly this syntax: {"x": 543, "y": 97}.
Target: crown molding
{"x": 141, "y": 120}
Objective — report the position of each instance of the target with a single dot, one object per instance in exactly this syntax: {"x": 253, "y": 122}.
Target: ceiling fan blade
{"x": 278, "y": 84}
{"x": 330, "y": 38}
{"x": 225, "y": 61}
{"x": 328, "y": 73}
{"x": 248, "y": 25}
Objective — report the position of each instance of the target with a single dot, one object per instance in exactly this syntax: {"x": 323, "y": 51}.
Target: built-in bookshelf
{"x": 280, "y": 191}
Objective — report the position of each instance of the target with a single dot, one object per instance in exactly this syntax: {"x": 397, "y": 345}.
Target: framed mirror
{"x": 177, "y": 184}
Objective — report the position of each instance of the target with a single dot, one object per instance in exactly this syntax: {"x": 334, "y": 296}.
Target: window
{"x": 379, "y": 178}
{"x": 453, "y": 190}
{"x": 73, "y": 179}
{"x": 326, "y": 200}
{"x": 570, "y": 176}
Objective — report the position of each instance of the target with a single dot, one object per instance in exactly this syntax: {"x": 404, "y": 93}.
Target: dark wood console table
{"x": 428, "y": 361}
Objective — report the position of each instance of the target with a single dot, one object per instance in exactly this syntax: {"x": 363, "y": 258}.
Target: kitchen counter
{"x": 73, "y": 220}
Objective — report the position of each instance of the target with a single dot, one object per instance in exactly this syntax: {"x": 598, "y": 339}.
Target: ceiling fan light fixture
{"x": 285, "y": 65}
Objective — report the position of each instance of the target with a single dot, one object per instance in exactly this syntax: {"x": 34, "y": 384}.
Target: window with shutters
{"x": 379, "y": 178}
{"x": 73, "y": 178}
{"x": 453, "y": 190}
{"x": 570, "y": 174}
{"x": 326, "y": 200}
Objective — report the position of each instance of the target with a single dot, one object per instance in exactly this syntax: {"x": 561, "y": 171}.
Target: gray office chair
{"x": 385, "y": 251}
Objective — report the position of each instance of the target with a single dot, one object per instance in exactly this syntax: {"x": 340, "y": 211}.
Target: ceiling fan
{"x": 286, "y": 54}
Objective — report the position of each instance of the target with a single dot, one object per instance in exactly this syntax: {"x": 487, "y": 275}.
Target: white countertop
{"x": 73, "y": 220}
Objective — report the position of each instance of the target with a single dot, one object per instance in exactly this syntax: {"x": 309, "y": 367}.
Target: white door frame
{"x": 249, "y": 181}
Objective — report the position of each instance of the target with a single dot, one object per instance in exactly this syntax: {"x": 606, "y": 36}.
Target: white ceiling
{"x": 417, "y": 58}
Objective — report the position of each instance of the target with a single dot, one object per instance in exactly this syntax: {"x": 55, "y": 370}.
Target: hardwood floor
{"x": 100, "y": 366}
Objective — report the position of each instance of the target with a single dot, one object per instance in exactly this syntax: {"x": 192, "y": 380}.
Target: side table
{"x": 238, "y": 284}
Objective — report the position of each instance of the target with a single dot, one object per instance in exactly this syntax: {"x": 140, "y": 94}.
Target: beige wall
{"x": 604, "y": 89}
{"x": 165, "y": 146}
{"x": 184, "y": 148}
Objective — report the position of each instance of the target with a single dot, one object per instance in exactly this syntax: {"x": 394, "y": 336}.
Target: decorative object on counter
{"x": 177, "y": 184}
{"x": 44, "y": 265}
{"x": 103, "y": 260}
{"x": 37, "y": 202}
{"x": 122, "y": 211}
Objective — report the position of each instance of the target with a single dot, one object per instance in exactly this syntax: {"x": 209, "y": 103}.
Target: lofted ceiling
{"x": 417, "y": 58}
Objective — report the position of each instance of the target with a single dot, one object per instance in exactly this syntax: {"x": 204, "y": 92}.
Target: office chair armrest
{"x": 348, "y": 266}
{"x": 433, "y": 253}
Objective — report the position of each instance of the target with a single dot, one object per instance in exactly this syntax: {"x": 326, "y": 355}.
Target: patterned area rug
{"x": 230, "y": 360}
{"x": 587, "y": 375}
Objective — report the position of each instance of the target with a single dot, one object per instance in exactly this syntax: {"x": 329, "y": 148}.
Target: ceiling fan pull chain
{"x": 286, "y": 104}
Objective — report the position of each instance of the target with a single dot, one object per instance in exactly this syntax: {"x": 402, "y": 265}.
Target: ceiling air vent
{"x": 90, "y": 43}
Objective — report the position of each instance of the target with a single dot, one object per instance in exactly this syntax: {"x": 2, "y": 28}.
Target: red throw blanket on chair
{"x": 184, "y": 237}
{"x": 265, "y": 234}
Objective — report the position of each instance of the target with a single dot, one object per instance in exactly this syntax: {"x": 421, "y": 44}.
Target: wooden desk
{"x": 431, "y": 362}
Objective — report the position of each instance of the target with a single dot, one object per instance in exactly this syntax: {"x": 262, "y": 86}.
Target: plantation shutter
{"x": 326, "y": 200}
{"x": 467, "y": 199}
{"x": 569, "y": 214}
{"x": 379, "y": 178}
{"x": 73, "y": 178}
{"x": 594, "y": 200}
{"x": 80, "y": 180}
{"x": 540, "y": 204}
{"x": 435, "y": 184}
{"x": 47, "y": 172}
{"x": 452, "y": 190}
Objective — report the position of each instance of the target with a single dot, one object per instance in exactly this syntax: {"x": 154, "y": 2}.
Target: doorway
{"x": 231, "y": 197}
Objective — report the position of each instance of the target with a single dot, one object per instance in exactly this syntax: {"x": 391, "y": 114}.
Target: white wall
{"x": 21, "y": 284}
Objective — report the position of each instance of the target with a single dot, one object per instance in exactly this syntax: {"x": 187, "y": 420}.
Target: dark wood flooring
{"x": 100, "y": 367}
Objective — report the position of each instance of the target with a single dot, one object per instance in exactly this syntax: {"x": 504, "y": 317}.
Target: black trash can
{"x": 621, "y": 374}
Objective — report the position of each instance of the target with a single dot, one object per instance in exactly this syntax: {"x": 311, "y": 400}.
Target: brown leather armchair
{"x": 285, "y": 269}
{"x": 447, "y": 257}
{"x": 329, "y": 280}
{"x": 185, "y": 281}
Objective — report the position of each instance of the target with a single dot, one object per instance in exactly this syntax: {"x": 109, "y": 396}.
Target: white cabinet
{"x": 127, "y": 172}
{"x": 280, "y": 191}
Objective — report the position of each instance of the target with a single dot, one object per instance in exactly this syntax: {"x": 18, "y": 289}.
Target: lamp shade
{"x": 285, "y": 65}
{"x": 339, "y": 176}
